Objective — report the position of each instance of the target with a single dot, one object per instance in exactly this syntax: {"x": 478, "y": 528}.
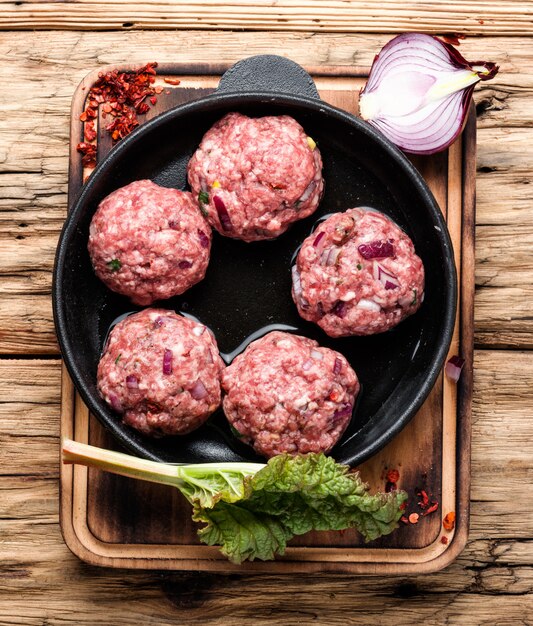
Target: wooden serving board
{"x": 113, "y": 521}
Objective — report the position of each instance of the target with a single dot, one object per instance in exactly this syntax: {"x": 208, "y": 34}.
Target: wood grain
{"x": 477, "y": 18}
{"x": 490, "y": 583}
{"x": 43, "y": 73}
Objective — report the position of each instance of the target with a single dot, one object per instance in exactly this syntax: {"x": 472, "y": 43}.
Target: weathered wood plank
{"x": 42, "y": 73}
{"x": 491, "y": 582}
{"x": 479, "y": 18}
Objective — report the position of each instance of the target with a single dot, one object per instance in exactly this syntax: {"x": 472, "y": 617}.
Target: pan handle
{"x": 268, "y": 72}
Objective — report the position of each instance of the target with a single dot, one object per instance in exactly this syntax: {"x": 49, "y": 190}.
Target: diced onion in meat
{"x": 198, "y": 391}
{"x": 368, "y": 305}
{"x": 167, "y": 362}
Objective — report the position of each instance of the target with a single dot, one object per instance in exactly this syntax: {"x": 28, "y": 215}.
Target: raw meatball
{"x": 149, "y": 242}
{"x": 357, "y": 274}
{"x": 162, "y": 372}
{"x": 254, "y": 176}
{"x": 287, "y": 394}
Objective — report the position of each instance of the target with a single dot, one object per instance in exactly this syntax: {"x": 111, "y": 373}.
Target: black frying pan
{"x": 247, "y": 287}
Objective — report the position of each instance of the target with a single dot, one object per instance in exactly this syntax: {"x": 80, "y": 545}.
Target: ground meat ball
{"x": 287, "y": 394}
{"x": 357, "y": 274}
{"x": 162, "y": 372}
{"x": 253, "y": 177}
{"x": 149, "y": 242}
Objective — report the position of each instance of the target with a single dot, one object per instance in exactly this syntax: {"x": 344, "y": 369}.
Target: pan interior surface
{"x": 247, "y": 287}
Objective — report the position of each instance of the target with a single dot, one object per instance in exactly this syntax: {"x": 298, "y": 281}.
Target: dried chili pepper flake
{"x": 403, "y": 506}
{"x": 404, "y": 519}
{"x": 107, "y": 108}
{"x": 424, "y": 502}
{"x": 171, "y": 81}
{"x": 153, "y": 100}
{"x": 91, "y": 113}
{"x": 449, "y": 521}
{"x": 444, "y": 540}
{"x": 89, "y": 132}
{"x": 393, "y": 476}
{"x": 83, "y": 117}
{"x": 142, "y": 108}
{"x": 413, "y": 518}
{"x": 434, "y": 506}
{"x": 158, "y": 89}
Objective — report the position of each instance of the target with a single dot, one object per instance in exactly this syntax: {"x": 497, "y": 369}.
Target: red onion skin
{"x": 204, "y": 239}
{"x": 340, "y": 309}
{"x": 318, "y": 239}
{"x": 132, "y": 382}
{"x": 337, "y": 366}
{"x": 223, "y": 214}
{"x": 167, "y": 362}
{"x": 454, "y": 367}
{"x": 376, "y": 249}
{"x": 198, "y": 391}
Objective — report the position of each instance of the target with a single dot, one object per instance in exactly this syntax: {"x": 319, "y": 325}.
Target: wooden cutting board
{"x": 113, "y": 521}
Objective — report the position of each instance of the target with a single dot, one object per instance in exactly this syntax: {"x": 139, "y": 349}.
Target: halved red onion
{"x": 184, "y": 265}
{"x": 419, "y": 91}
{"x": 132, "y": 382}
{"x": 368, "y": 305}
{"x": 318, "y": 239}
{"x": 330, "y": 255}
{"x": 167, "y": 362}
{"x": 222, "y": 212}
{"x": 454, "y": 367}
{"x": 204, "y": 239}
{"x": 198, "y": 391}
{"x": 386, "y": 278}
{"x": 376, "y": 249}
{"x": 337, "y": 366}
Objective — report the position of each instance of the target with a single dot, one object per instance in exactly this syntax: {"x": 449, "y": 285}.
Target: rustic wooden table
{"x": 46, "y": 48}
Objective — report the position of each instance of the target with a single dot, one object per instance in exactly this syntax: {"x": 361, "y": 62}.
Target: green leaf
{"x": 242, "y": 534}
{"x": 291, "y": 496}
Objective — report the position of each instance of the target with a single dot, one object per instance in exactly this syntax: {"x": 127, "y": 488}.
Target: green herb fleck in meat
{"x": 118, "y": 358}
{"x": 415, "y": 296}
{"x": 203, "y": 197}
{"x": 359, "y": 266}
{"x": 114, "y": 265}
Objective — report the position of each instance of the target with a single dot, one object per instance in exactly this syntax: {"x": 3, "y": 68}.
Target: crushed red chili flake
{"x": 122, "y": 96}
{"x": 425, "y": 499}
{"x": 171, "y": 81}
{"x": 404, "y": 519}
{"x": 393, "y": 476}
{"x": 88, "y": 150}
{"x": 444, "y": 540}
{"x": 403, "y": 506}
{"x": 153, "y": 100}
{"x": 449, "y": 521}
{"x": 413, "y": 518}
{"x": 434, "y": 506}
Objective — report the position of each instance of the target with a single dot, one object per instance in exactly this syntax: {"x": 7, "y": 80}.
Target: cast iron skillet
{"x": 247, "y": 286}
